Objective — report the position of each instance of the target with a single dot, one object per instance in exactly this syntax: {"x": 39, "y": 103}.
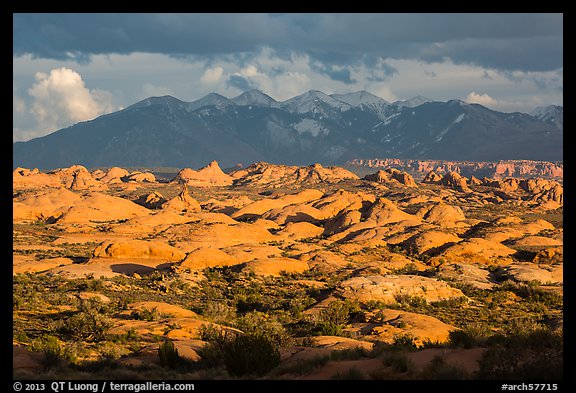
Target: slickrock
{"x": 141, "y": 249}
{"x": 391, "y": 288}
{"x": 300, "y": 230}
{"x": 475, "y": 251}
{"x": 183, "y": 202}
{"x": 442, "y": 214}
{"x": 111, "y": 176}
{"x": 140, "y": 177}
{"x": 423, "y": 329}
{"x": 467, "y": 274}
{"x": 527, "y": 272}
{"x": 209, "y": 176}
{"x": 206, "y": 257}
{"x": 257, "y": 208}
{"x": 430, "y": 242}
{"x": 391, "y": 175}
{"x": 275, "y": 266}
{"x": 264, "y": 174}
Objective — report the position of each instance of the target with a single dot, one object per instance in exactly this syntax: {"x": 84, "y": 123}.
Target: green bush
{"x": 404, "y": 341}
{"x": 260, "y": 324}
{"x": 398, "y": 362}
{"x": 51, "y": 348}
{"x": 168, "y": 355}
{"x": 241, "y": 354}
{"x": 249, "y": 355}
{"x": 438, "y": 369}
{"x": 351, "y": 374}
{"x": 533, "y": 356}
{"x": 89, "y": 324}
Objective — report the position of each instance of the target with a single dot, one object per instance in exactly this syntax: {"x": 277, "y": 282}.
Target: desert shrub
{"x": 51, "y": 348}
{"x": 260, "y": 324}
{"x": 398, "y": 362}
{"x": 242, "y": 354}
{"x": 219, "y": 312}
{"x": 332, "y": 320}
{"x": 88, "y": 324}
{"x": 439, "y": 369}
{"x": 534, "y": 356}
{"x": 404, "y": 341}
{"x": 249, "y": 355}
{"x": 168, "y": 354}
{"x": 410, "y": 300}
{"x": 148, "y": 315}
{"x": 350, "y": 374}
{"x": 470, "y": 336}
{"x": 111, "y": 350}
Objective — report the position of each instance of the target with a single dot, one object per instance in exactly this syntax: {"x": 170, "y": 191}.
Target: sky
{"x": 69, "y": 68}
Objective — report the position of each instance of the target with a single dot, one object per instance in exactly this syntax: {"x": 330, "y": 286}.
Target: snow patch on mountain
{"x": 311, "y": 126}
{"x": 312, "y": 102}
{"x": 450, "y": 126}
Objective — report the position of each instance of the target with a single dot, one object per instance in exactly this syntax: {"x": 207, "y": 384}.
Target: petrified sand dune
{"x": 430, "y": 241}
{"x": 341, "y": 200}
{"x": 294, "y": 213}
{"x": 257, "y": 208}
{"x": 138, "y": 249}
{"x": 383, "y": 211}
{"x": 183, "y": 202}
{"x": 154, "y": 200}
{"x": 25, "y": 264}
{"x": 207, "y": 257}
{"x": 111, "y": 176}
{"x": 275, "y": 266}
{"x": 467, "y": 274}
{"x": 528, "y": 272}
{"x": 45, "y": 205}
{"x": 391, "y": 175}
{"x": 264, "y": 174}
{"x": 209, "y": 176}
{"x": 390, "y": 287}
{"x": 300, "y": 230}
{"x": 476, "y": 251}
{"x": 442, "y": 214}
{"x": 391, "y": 324}
{"x": 26, "y": 178}
{"x": 206, "y": 237}
{"x": 98, "y": 207}
{"x": 152, "y": 223}
{"x": 221, "y": 235}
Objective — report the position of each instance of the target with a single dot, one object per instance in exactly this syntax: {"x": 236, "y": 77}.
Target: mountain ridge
{"x": 312, "y": 127}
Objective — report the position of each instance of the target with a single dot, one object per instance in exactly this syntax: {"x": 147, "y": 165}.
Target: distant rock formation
{"x": 265, "y": 174}
{"x": 209, "y": 176}
{"x": 391, "y": 175}
{"x": 499, "y": 169}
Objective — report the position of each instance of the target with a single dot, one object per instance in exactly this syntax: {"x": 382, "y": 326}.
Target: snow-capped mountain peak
{"x": 551, "y": 114}
{"x": 219, "y": 101}
{"x": 360, "y": 98}
{"x": 413, "y": 102}
{"x": 254, "y": 97}
{"x": 312, "y": 101}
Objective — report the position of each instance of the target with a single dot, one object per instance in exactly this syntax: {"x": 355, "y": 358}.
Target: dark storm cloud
{"x": 239, "y": 82}
{"x": 338, "y": 74}
{"x": 529, "y": 42}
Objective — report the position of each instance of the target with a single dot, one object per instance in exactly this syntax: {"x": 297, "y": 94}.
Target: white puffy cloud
{"x": 61, "y": 98}
{"x": 212, "y": 75}
{"x": 482, "y": 99}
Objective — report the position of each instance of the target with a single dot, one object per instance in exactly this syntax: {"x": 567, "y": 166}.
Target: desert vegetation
{"x": 274, "y": 272}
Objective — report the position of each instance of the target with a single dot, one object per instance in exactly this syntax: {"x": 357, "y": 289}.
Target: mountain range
{"x": 312, "y": 127}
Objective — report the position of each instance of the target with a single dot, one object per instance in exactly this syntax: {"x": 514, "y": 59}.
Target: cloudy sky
{"x": 73, "y": 67}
